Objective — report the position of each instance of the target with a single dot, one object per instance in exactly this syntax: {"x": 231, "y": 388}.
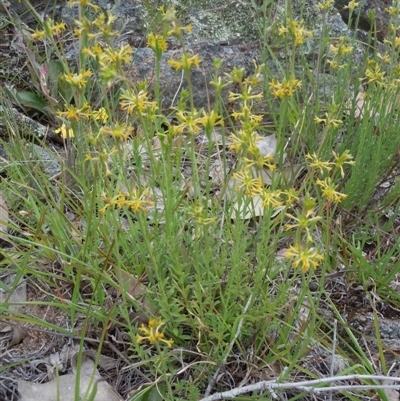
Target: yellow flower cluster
{"x": 120, "y": 132}
{"x": 137, "y": 102}
{"x": 152, "y": 333}
{"x": 65, "y": 132}
{"x": 352, "y": 5}
{"x": 100, "y": 27}
{"x": 284, "y": 89}
{"x": 73, "y": 114}
{"x": 185, "y": 63}
{"x": 49, "y": 30}
{"x": 328, "y": 121}
{"x": 304, "y": 253}
{"x": 393, "y": 10}
{"x": 296, "y": 30}
{"x": 338, "y": 167}
{"x": 137, "y": 200}
{"x": 78, "y": 80}
{"x": 325, "y": 5}
{"x": 304, "y": 257}
{"x": 157, "y": 43}
{"x": 245, "y": 141}
{"x": 373, "y": 73}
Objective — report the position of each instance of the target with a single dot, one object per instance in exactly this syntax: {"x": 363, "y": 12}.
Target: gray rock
{"x": 48, "y": 162}
{"x": 25, "y": 13}
{"x": 13, "y": 122}
{"x": 172, "y": 82}
{"x": 365, "y": 10}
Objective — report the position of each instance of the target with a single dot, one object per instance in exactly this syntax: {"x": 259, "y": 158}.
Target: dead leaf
{"x": 359, "y": 111}
{"x": 63, "y": 387}
{"x": 18, "y": 335}
{"x": 13, "y": 293}
{"x": 4, "y": 217}
{"x": 267, "y": 145}
{"x": 387, "y": 105}
{"x": 392, "y": 395}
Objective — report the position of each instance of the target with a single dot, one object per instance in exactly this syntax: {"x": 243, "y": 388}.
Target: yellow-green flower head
{"x": 304, "y": 257}
{"x": 329, "y": 191}
{"x": 152, "y": 333}
{"x": 285, "y": 88}
{"x": 157, "y": 43}
{"x": 185, "y": 63}
{"x": 65, "y": 132}
{"x": 49, "y": 30}
{"x": 78, "y": 80}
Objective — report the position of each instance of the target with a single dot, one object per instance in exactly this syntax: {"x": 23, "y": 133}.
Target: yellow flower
{"x": 101, "y": 115}
{"x": 137, "y": 200}
{"x": 304, "y": 257}
{"x": 259, "y": 160}
{"x": 245, "y": 114}
{"x": 152, "y": 333}
{"x": 237, "y": 74}
{"x": 330, "y": 122}
{"x": 157, "y": 43}
{"x": 185, "y": 63}
{"x": 49, "y": 30}
{"x": 342, "y": 48}
{"x": 58, "y": 28}
{"x": 136, "y": 102}
{"x": 341, "y": 160}
{"x": 395, "y": 11}
{"x": 189, "y": 120}
{"x": 219, "y": 84}
{"x": 120, "y": 132}
{"x": 291, "y": 196}
{"x": 65, "y": 132}
{"x": 244, "y": 139}
{"x": 326, "y": 5}
{"x": 374, "y": 74}
{"x": 320, "y": 120}
{"x": 74, "y": 114}
{"x": 177, "y": 29}
{"x": 245, "y": 96}
{"x": 199, "y": 213}
{"x": 38, "y": 34}
{"x": 238, "y": 142}
{"x": 296, "y": 30}
{"x": 284, "y": 89}
{"x": 116, "y": 57}
{"x": 352, "y": 5}
{"x": 329, "y": 191}
{"x": 78, "y": 80}
{"x": 105, "y": 24}
{"x": 210, "y": 120}
{"x": 315, "y": 163}
{"x": 252, "y": 186}
{"x": 282, "y": 30}
{"x": 303, "y": 223}
{"x": 271, "y": 198}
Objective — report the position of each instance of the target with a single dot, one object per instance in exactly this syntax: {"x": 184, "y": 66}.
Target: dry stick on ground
{"x": 214, "y": 378}
{"x": 309, "y": 385}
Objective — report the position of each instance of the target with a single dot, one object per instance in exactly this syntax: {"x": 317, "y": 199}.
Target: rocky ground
{"x": 215, "y": 35}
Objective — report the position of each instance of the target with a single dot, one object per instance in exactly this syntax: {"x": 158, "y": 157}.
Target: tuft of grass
{"x": 208, "y": 276}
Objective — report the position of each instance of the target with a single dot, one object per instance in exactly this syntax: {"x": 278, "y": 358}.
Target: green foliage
{"x": 221, "y": 272}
